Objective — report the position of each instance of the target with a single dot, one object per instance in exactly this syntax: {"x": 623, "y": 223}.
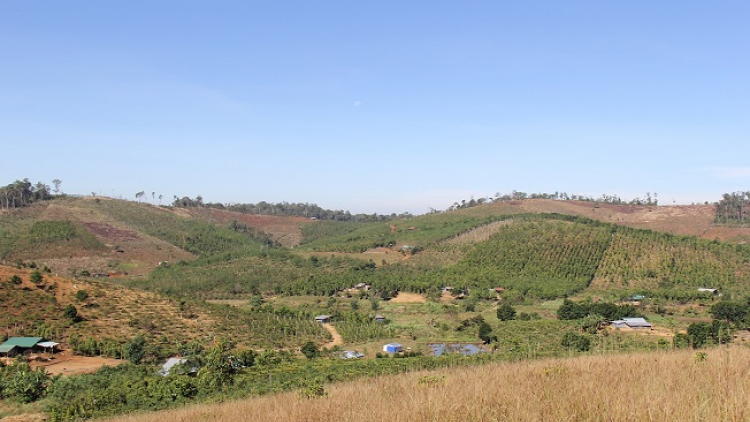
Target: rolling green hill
{"x": 532, "y": 253}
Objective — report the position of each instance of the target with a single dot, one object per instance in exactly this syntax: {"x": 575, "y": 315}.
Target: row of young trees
{"x": 22, "y": 193}
{"x": 298, "y": 209}
{"x": 649, "y": 199}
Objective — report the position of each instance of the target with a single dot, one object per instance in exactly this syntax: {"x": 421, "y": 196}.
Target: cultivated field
{"x": 666, "y": 386}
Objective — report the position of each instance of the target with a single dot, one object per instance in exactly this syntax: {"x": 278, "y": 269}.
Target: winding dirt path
{"x": 337, "y": 339}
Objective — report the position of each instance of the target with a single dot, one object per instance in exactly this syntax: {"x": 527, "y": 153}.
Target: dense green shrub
{"x": 570, "y": 310}
{"x": 574, "y": 341}
{"x": 506, "y": 312}
{"x": 702, "y": 333}
{"x": 21, "y": 383}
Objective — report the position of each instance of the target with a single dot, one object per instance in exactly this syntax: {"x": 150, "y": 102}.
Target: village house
{"x": 323, "y": 319}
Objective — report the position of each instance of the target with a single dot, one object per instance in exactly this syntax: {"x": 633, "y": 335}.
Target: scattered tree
{"x": 70, "y": 312}
{"x": 506, "y": 312}
{"x": 310, "y": 350}
{"x": 36, "y": 277}
{"x": 135, "y": 349}
{"x": 82, "y": 295}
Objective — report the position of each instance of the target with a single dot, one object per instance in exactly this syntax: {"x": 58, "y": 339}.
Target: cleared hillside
{"x": 283, "y": 229}
{"x": 111, "y": 235}
{"x": 687, "y": 220}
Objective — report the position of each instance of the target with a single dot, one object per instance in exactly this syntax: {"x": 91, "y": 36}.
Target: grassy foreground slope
{"x": 669, "y": 386}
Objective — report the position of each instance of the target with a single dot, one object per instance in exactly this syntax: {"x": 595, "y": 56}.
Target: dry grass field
{"x": 669, "y": 386}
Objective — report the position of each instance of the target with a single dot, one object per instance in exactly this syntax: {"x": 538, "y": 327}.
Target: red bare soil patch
{"x": 110, "y": 233}
{"x": 66, "y": 363}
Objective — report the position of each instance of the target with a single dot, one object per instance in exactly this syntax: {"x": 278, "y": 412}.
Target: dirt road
{"x": 337, "y": 339}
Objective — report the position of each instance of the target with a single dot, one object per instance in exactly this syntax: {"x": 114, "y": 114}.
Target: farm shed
{"x": 631, "y": 323}
{"x": 8, "y": 350}
{"x": 379, "y": 318}
{"x": 393, "y": 348}
{"x": 323, "y": 319}
{"x": 48, "y": 346}
{"x": 21, "y": 344}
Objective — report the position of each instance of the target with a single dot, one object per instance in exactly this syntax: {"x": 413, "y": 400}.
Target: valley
{"x": 238, "y": 294}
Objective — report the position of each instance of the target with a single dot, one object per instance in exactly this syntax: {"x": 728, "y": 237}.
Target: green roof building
{"x": 23, "y": 342}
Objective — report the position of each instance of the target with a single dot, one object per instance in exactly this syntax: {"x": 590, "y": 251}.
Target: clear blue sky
{"x": 376, "y": 106}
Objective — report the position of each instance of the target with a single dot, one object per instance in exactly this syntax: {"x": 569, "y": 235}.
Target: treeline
{"x": 570, "y": 310}
{"x": 299, "y": 209}
{"x": 648, "y": 199}
{"x": 734, "y": 208}
{"x": 22, "y": 193}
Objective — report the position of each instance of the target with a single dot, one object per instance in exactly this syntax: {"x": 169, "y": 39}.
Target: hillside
{"x": 111, "y": 236}
{"x": 220, "y": 254}
{"x": 282, "y": 229}
{"x": 112, "y": 315}
{"x": 687, "y": 220}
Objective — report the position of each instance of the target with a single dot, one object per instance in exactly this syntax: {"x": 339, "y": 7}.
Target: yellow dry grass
{"x": 667, "y": 386}
{"x": 405, "y": 297}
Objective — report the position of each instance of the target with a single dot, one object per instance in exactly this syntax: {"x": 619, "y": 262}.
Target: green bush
{"x": 19, "y": 382}
{"x": 82, "y": 295}
{"x": 574, "y": 341}
{"x": 506, "y": 312}
{"x": 310, "y": 350}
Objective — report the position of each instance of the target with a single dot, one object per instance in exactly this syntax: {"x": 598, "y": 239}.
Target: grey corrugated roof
{"x": 636, "y": 322}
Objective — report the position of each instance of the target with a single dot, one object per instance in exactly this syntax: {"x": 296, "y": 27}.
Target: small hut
{"x": 323, "y": 319}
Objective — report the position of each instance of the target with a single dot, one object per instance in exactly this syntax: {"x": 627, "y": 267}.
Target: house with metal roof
{"x": 24, "y": 342}
{"x": 631, "y": 323}
{"x": 323, "y": 319}
{"x": 8, "y": 350}
{"x": 16, "y": 345}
